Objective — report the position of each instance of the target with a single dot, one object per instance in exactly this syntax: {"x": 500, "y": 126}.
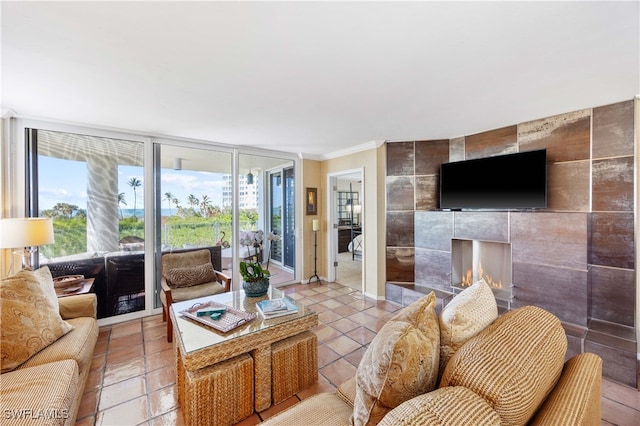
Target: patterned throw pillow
{"x": 42, "y": 276}
{"x": 192, "y": 275}
{"x": 466, "y": 315}
{"x": 29, "y": 323}
{"x": 400, "y": 363}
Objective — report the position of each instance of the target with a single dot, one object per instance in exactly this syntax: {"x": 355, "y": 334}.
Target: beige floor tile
{"x": 129, "y": 413}
{"x": 343, "y": 345}
{"x": 118, "y": 372}
{"x": 121, "y": 392}
{"x": 126, "y": 328}
{"x": 339, "y": 371}
{"x": 163, "y": 401}
{"x": 326, "y": 355}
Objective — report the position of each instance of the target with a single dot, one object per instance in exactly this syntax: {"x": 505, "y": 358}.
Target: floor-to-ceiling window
{"x": 193, "y": 202}
{"x": 118, "y": 201}
{"x": 93, "y": 189}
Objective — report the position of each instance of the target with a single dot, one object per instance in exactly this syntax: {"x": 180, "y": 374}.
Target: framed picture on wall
{"x": 312, "y": 201}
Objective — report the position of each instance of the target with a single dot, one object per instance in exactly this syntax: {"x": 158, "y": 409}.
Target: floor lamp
{"x": 27, "y": 233}
{"x": 315, "y": 227}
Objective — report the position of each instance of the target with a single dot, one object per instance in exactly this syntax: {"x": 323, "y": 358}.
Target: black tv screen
{"x": 513, "y": 181}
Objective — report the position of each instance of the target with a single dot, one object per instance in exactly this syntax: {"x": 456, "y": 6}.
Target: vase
{"x": 256, "y": 288}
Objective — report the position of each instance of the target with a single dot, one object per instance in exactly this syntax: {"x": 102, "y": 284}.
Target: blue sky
{"x": 66, "y": 181}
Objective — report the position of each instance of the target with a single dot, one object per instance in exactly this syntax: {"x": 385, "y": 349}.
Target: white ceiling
{"x": 315, "y": 78}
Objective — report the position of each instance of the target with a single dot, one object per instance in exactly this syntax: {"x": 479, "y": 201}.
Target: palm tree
{"x": 169, "y": 197}
{"x": 204, "y": 206}
{"x": 134, "y": 183}
{"x": 193, "y": 201}
{"x": 121, "y": 200}
{"x": 176, "y": 203}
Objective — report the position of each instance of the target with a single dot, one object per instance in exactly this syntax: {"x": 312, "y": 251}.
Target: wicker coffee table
{"x": 223, "y": 377}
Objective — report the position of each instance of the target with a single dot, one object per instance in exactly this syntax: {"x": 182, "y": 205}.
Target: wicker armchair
{"x": 188, "y": 275}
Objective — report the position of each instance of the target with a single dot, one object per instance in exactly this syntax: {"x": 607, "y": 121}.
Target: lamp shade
{"x": 26, "y": 232}
{"x": 250, "y": 178}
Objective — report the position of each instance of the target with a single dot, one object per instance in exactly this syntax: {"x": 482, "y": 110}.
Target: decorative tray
{"x": 67, "y": 281}
{"x": 70, "y": 289}
{"x": 231, "y": 318}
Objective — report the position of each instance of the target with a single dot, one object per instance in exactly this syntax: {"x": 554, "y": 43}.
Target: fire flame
{"x": 467, "y": 279}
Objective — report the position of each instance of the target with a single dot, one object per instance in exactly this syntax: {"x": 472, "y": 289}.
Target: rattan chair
{"x": 187, "y": 275}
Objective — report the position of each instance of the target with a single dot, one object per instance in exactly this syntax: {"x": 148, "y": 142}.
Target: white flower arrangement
{"x": 273, "y": 237}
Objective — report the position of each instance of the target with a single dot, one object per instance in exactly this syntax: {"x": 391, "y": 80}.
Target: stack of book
{"x": 276, "y": 307}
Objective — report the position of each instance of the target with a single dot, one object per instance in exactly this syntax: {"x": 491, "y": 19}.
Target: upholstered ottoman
{"x": 221, "y": 394}
{"x": 294, "y": 365}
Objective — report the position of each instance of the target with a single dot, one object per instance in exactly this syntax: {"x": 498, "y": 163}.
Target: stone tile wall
{"x": 576, "y": 258}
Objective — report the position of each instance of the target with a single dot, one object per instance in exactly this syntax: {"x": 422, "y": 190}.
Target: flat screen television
{"x": 512, "y": 181}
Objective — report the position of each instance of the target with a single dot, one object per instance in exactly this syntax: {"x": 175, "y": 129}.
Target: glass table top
{"x": 196, "y": 336}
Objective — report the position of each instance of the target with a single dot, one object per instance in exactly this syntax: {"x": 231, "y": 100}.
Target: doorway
{"x": 347, "y": 237}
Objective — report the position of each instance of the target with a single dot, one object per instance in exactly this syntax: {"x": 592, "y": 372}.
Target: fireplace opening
{"x": 472, "y": 260}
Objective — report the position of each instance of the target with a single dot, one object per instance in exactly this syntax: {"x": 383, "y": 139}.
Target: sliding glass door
{"x": 282, "y": 216}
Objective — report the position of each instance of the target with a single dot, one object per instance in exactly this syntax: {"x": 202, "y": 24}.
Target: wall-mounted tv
{"x": 512, "y": 181}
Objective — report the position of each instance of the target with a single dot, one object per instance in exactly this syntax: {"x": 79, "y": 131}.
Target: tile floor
{"x": 132, "y": 379}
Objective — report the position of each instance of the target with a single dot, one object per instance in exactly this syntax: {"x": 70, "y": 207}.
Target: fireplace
{"x": 475, "y": 259}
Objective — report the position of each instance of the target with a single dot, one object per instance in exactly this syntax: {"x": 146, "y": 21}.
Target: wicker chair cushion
{"x": 400, "y": 363}
{"x": 513, "y": 363}
{"x": 186, "y": 293}
{"x": 191, "y": 275}
{"x": 29, "y": 323}
{"x": 187, "y": 259}
{"x": 42, "y": 276}
{"x": 449, "y": 406}
{"x": 466, "y": 315}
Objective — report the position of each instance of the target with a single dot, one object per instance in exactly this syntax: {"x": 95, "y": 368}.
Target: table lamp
{"x": 28, "y": 233}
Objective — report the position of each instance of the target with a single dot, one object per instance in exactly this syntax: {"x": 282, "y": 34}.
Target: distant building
{"x": 247, "y": 195}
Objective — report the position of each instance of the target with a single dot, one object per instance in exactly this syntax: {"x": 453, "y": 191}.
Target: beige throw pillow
{"x": 43, "y": 277}
{"x": 191, "y": 275}
{"x": 400, "y": 363}
{"x": 29, "y": 323}
{"x": 466, "y": 315}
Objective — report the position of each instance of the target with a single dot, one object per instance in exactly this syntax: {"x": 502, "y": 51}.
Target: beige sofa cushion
{"x": 347, "y": 391}
{"x": 400, "y": 363}
{"x": 576, "y": 398}
{"x": 49, "y": 389}
{"x": 324, "y": 409}
{"x": 466, "y": 315}
{"x": 513, "y": 363}
{"x": 29, "y": 323}
{"x": 77, "y": 345}
{"x": 453, "y": 405}
{"x": 79, "y": 305}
